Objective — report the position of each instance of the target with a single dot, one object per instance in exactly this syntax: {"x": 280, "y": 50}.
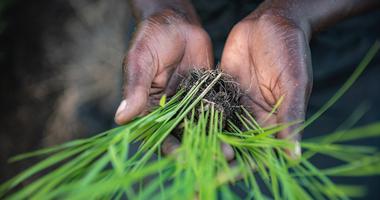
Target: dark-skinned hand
{"x": 267, "y": 52}
{"x": 269, "y": 56}
{"x": 165, "y": 46}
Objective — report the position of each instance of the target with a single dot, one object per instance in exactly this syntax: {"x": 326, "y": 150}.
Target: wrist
{"x": 168, "y": 9}
{"x": 290, "y": 12}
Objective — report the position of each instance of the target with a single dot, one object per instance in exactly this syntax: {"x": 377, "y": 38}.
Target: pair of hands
{"x": 267, "y": 53}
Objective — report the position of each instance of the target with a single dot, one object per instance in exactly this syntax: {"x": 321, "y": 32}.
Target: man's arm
{"x": 313, "y": 16}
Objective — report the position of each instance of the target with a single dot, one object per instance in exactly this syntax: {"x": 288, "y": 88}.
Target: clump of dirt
{"x": 224, "y": 95}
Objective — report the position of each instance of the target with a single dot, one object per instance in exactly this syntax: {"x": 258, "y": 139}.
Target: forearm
{"x": 143, "y": 9}
{"x": 324, "y": 13}
{"x": 314, "y": 15}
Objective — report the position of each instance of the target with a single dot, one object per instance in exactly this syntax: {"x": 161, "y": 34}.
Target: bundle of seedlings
{"x": 103, "y": 167}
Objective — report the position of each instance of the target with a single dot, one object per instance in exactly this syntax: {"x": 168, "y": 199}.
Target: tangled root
{"x": 224, "y": 95}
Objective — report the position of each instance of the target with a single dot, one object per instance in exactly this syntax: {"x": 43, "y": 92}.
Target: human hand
{"x": 269, "y": 55}
{"x": 165, "y": 46}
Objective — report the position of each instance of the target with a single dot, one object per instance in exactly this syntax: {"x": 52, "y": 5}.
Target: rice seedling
{"x": 102, "y": 167}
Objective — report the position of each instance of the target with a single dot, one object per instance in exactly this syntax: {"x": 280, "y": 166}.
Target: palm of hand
{"x": 270, "y": 58}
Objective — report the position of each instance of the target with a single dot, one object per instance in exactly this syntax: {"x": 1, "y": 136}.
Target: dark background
{"x": 61, "y": 70}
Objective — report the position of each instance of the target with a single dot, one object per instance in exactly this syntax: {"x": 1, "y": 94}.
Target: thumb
{"x": 138, "y": 75}
{"x": 132, "y": 106}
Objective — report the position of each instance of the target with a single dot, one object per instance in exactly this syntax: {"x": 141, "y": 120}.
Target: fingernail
{"x": 121, "y": 107}
{"x": 297, "y": 149}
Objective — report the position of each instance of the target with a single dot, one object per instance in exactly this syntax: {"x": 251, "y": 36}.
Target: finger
{"x": 228, "y": 151}
{"x": 169, "y": 145}
{"x": 293, "y": 111}
{"x": 198, "y": 55}
{"x": 199, "y": 50}
{"x": 297, "y": 88}
{"x": 235, "y": 56}
{"x": 138, "y": 75}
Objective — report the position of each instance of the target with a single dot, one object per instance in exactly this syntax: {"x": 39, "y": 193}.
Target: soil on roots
{"x": 224, "y": 95}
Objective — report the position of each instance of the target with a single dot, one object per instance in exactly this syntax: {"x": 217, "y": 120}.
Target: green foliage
{"x": 102, "y": 167}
